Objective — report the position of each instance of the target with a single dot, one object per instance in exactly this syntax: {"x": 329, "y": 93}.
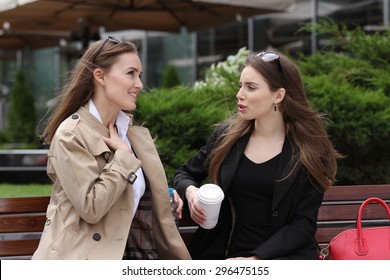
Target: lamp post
{"x": 314, "y": 19}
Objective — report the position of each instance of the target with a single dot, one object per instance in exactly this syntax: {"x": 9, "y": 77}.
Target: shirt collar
{"x": 122, "y": 120}
{"x": 122, "y": 124}
{"x": 93, "y": 110}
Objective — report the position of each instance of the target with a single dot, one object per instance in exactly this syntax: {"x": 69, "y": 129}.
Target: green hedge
{"x": 349, "y": 81}
{"x": 181, "y": 119}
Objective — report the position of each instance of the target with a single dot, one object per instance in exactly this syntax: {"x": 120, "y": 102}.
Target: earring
{"x": 275, "y": 108}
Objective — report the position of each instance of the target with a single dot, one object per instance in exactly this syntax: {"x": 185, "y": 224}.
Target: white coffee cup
{"x": 210, "y": 198}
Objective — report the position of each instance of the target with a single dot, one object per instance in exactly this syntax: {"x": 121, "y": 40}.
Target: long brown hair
{"x": 79, "y": 89}
{"x": 304, "y": 127}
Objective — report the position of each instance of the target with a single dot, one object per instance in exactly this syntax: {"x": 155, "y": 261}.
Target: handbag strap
{"x": 324, "y": 253}
{"x": 361, "y": 246}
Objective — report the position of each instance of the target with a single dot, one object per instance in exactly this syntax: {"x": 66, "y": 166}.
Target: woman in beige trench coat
{"x": 110, "y": 194}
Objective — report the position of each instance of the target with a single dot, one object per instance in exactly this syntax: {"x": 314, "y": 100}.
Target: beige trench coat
{"x": 90, "y": 210}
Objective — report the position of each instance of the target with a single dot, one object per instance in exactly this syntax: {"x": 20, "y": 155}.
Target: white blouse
{"x": 122, "y": 124}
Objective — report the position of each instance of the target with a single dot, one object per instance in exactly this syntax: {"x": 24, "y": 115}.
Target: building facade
{"x": 191, "y": 53}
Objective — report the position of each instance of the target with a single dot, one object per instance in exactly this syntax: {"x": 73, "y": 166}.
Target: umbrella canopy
{"x": 35, "y": 39}
{"x": 58, "y": 16}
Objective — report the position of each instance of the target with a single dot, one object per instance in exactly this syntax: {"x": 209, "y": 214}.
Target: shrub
{"x": 351, "y": 84}
{"x": 224, "y": 73}
{"x": 170, "y": 77}
{"x": 4, "y": 137}
{"x": 348, "y": 81}
{"x": 21, "y": 115}
{"x": 181, "y": 120}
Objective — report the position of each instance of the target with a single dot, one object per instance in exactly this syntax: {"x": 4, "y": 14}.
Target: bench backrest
{"x": 21, "y": 224}
{"x": 22, "y": 219}
{"x": 341, "y": 205}
{"x": 338, "y": 211}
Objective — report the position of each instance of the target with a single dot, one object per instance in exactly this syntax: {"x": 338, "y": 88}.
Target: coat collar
{"x": 97, "y": 145}
{"x": 139, "y": 137}
{"x": 230, "y": 164}
{"x": 93, "y": 121}
{"x": 141, "y": 142}
{"x": 145, "y": 150}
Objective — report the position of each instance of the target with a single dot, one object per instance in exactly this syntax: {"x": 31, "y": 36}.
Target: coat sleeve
{"x": 91, "y": 191}
{"x": 195, "y": 170}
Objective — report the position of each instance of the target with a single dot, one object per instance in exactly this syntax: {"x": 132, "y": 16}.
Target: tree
{"x": 21, "y": 115}
{"x": 171, "y": 77}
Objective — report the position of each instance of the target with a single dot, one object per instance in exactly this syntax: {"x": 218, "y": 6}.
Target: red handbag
{"x": 370, "y": 243}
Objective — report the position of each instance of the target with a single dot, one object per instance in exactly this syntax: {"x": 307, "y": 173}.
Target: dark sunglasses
{"x": 109, "y": 38}
{"x": 272, "y": 57}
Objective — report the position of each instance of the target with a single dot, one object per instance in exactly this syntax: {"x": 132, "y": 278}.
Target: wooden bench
{"x": 22, "y": 219}
{"x": 340, "y": 208}
{"x": 21, "y": 224}
{"x": 338, "y": 211}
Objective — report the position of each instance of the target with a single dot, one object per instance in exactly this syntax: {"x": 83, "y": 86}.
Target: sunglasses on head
{"x": 272, "y": 57}
{"x": 109, "y": 38}
{"x": 269, "y": 56}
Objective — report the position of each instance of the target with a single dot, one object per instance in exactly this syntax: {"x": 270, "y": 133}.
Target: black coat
{"x": 294, "y": 208}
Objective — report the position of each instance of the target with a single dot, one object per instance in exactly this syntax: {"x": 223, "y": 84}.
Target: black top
{"x": 295, "y": 204}
{"x": 251, "y": 193}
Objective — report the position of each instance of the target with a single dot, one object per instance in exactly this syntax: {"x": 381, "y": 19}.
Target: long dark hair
{"x": 304, "y": 127}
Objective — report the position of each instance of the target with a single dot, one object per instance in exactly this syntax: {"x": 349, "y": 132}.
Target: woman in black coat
{"x": 273, "y": 160}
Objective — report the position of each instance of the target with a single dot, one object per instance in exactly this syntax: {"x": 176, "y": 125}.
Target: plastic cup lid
{"x": 210, "y": 193}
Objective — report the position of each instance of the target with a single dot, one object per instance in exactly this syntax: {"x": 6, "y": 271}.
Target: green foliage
{"x": 347, "y": 80}
{"x": 181, "y": 119}
{"x": 351, "y": 84}
{"x": 224, "y": 73}
{"x": 21, "y": 116}
{"x": 170, "y": 77}
{"x": 4, "y": 138}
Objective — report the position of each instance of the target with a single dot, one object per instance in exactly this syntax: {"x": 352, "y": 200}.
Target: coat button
{"x": 96, "y": 237}
{"x": 275, "y": 214}
{"x": 48, "y": 222}
{"x": 75, "y": 117}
